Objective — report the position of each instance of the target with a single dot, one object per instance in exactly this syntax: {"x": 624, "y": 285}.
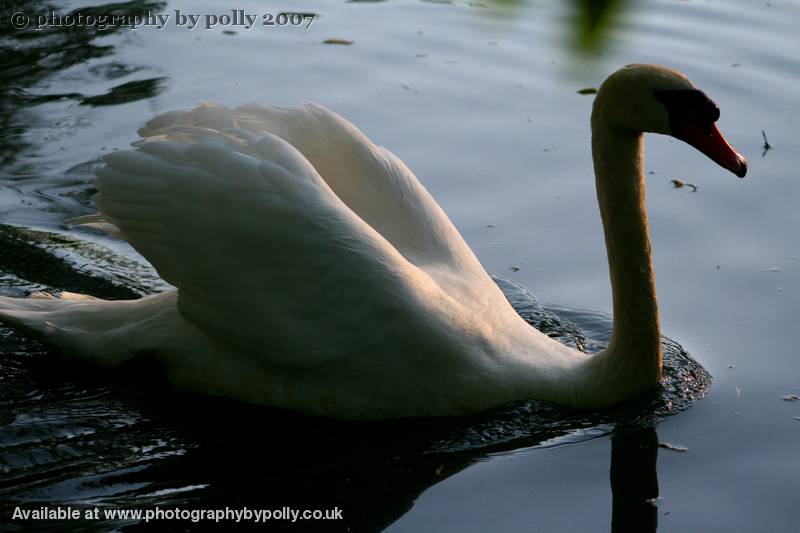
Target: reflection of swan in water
{"x": 634, "y": 481}
{"x": 132, "y": 447}
{"x": 315, "y": 273}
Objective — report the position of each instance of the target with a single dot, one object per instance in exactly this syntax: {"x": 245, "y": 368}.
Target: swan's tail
{"x": 103, "y": 331}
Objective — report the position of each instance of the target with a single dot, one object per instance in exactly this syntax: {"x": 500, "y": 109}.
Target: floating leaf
{"x": 673, "y": 447}
{"x": 337, "y": 41}
{"x": 678, "y": 184}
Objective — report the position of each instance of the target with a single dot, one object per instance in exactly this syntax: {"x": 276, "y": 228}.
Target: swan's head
{"x": 656, "y": 99}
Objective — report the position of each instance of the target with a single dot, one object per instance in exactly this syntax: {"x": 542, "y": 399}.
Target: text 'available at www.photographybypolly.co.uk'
{"x": 226, "y": 514}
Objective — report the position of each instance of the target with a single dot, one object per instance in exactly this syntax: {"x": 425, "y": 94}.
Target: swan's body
{"x": 314, "y": 272}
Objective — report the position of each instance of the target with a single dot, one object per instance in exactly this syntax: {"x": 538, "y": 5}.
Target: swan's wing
{"x": 265, "y": 256}
{"x": 370, "y": 180}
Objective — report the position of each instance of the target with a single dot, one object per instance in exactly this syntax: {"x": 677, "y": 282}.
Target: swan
{"x": 312, "y": 271}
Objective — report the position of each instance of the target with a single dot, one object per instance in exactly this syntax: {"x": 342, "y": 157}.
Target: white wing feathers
{"x": 244, "y": 225}
{"x": 370, "y": 180}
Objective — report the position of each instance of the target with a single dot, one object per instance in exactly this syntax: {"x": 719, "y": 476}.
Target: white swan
{"x": 314, "y": 272}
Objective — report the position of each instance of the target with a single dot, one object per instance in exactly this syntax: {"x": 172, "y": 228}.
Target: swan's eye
{"x": 688, "y": 104}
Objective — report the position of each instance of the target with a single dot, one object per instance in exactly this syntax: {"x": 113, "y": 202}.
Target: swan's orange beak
{"x": 692, "y": 117}
{"x": 711, "y": 142}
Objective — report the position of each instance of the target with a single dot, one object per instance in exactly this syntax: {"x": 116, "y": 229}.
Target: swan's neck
{"x": 633, "y": 357}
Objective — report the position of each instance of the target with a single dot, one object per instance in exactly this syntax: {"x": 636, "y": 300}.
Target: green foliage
{"x": 590, "y": 22}
{"x": 593, "y": 18}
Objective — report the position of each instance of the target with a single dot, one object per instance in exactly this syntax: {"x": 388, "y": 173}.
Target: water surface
{"x": 483, "y": 105}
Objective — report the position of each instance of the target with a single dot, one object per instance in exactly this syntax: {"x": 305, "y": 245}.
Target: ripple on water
{"x": 73, "y": 435}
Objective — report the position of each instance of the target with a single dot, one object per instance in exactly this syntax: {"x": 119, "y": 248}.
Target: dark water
{"x": 71, "y": 439}
{"x": 483, "y": 105}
